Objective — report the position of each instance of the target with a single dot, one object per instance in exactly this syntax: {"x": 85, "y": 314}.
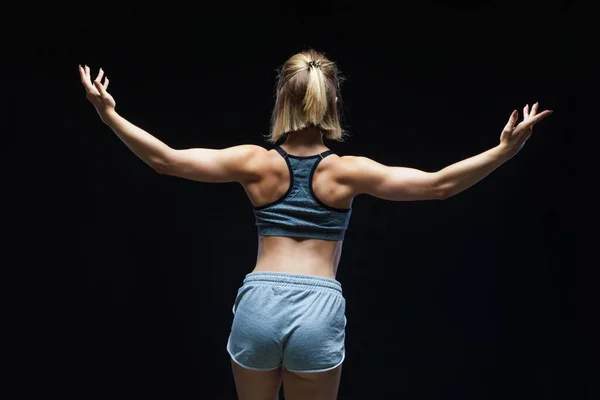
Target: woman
{"x": 289, "y": 314}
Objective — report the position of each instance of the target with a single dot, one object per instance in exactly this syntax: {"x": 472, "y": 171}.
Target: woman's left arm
{"x": 233, "y": 164}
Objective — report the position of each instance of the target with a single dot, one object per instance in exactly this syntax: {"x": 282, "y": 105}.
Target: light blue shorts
{"x": 291, "y": 319}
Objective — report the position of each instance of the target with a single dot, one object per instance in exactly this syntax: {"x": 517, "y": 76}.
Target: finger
{"x": 534, "y": 109}
{"x": 510, "y": 125}
{"x": 526, "y": 111}
{"x": 100, "y": 88}
{"x": 86, "y": 83}
{"x": 100, "y": 75}
{"x": 87, "y": 73}
{"x": 105, "y": 86}
{"x": 541, "y": 116}
{"x": 82, "y": 74}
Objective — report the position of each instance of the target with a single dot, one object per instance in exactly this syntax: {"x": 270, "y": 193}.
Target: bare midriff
{"x": 298, "y": 256}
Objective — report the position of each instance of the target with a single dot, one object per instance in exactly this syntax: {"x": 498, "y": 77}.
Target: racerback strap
{"x": 284, "y": 154}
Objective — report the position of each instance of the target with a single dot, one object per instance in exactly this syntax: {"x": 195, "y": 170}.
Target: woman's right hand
{"x": 96, "y": 91}
{"x": 514, "y": 137}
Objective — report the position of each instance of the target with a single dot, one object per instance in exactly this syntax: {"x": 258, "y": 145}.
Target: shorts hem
{"x": 321, "y": 370}
{"x": 251, "y": 368}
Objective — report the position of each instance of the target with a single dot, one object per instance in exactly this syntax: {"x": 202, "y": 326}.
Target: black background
{"x": 479, "y": 296}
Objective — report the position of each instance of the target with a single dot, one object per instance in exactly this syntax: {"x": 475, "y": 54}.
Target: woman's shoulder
{"x": 348, "y": 164}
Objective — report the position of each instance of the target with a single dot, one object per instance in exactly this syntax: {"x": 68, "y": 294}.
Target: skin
{"x": 337, "y": 181}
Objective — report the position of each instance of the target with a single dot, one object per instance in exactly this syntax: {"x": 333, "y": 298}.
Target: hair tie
{"x": 315, "y": 64}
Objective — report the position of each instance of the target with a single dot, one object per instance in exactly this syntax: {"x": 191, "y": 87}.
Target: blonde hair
{"x": 307, "y": 86}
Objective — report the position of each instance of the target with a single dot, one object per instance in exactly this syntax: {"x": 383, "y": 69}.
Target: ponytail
{"x": 315, "y": 99}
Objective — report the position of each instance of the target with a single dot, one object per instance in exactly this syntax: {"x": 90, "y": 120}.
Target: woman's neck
{"x": 305, "y": 142}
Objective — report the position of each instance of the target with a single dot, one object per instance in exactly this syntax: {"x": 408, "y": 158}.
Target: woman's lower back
{"x": 298, "y": 255}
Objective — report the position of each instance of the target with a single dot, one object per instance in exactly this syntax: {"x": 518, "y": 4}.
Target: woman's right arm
{"x": 365, "y": 176}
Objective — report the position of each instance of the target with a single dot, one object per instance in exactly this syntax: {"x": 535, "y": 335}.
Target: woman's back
{"x": 295, "y": 252}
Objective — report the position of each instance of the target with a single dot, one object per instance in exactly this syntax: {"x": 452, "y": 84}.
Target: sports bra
{"x": 299, "y": 213}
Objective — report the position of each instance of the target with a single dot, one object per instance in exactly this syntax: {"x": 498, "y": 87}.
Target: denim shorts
{"x": 288, "y": 319}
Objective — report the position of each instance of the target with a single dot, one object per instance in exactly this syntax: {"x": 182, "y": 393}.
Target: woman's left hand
{"x": 514, "y": 137}
{"x": 96, "y": 91}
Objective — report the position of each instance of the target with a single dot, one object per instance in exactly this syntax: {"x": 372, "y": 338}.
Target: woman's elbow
{"x": 442, "y": 192}
{"x": 160, "y": 166}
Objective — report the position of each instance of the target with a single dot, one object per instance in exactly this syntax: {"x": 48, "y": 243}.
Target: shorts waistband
{"x": 289, "y": 279}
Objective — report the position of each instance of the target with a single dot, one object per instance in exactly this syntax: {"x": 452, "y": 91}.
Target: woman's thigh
{"x": 256, "y": 385}
{"x": 312, "y": 385}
